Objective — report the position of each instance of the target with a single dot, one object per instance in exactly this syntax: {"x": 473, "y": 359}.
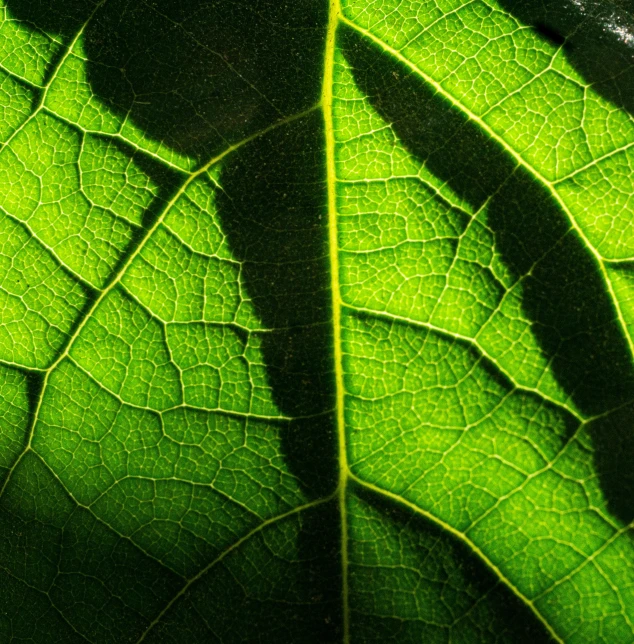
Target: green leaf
{"x": 317, "y": 321}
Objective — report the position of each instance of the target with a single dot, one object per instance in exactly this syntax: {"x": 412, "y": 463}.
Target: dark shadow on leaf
{"x": 480, "y": 601}
{"x": 39, "y": 523}
{"x": 198, "y": 75}
{"x": 597, "y": 38}
{"x": 34, "y": 381}
{"x": 60, "y": 18}
{"x": 564, "y": 295}
{"x": 271, "y": 207}
{"x": 613, "y": 444}
{"x": 305, "y": 608}
{"x": 195, "y": 74}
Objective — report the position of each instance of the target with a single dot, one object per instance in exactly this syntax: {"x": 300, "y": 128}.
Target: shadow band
{"x": 564, "y": 296}
{"x": 197, "y": 75}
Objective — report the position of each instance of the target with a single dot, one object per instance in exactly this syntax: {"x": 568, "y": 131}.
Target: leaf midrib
{"x": 336, "y": 18}
{"x": 346, "y": 476}
{"x": 338, "y": 303}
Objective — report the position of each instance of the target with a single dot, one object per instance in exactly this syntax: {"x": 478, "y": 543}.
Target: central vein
{"x": 331, "y": 177}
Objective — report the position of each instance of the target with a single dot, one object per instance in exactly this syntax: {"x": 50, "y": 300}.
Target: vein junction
{"x": 452, "y": 399}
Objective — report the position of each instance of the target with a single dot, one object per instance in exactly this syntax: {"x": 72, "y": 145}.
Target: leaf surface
{"x": 317, "y": 321}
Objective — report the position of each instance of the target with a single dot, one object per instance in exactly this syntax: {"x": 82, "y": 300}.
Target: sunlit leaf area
{"x": 316, "y": 321}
